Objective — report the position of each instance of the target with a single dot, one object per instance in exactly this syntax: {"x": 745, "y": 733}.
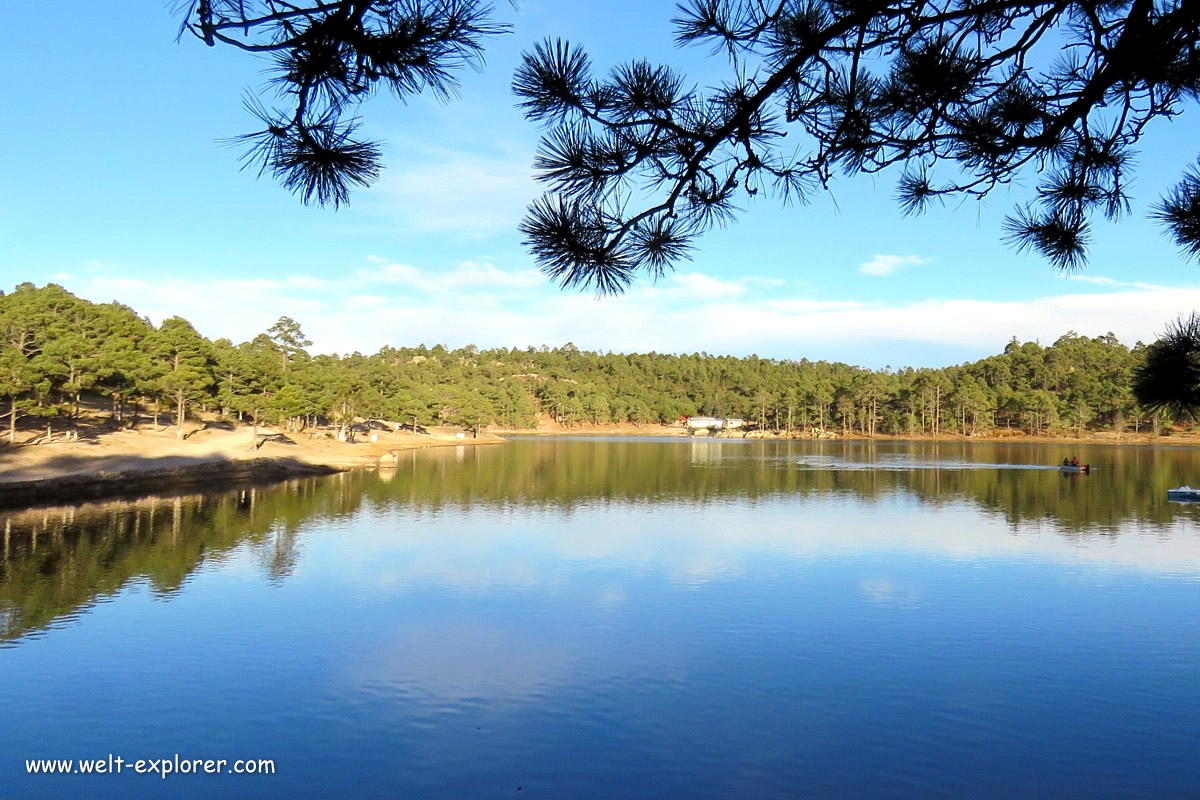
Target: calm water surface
{"x": 623, "y": 619}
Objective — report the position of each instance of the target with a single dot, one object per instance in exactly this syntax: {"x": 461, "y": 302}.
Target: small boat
{"x": 1183, "y": 493}
{"x": 1084, "y": 468}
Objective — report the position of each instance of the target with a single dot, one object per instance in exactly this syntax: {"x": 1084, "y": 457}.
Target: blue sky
{"x": 115, "y": 186}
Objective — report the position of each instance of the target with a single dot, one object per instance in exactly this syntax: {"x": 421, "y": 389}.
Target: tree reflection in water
{"x": 57, "y": 562}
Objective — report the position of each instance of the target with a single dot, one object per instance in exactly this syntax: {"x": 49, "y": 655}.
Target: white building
{"x": 715, "y": 423}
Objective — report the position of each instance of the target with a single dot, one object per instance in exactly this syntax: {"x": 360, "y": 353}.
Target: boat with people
{"x": 1183, "y": 493}
{"x": 1070, "y": 465}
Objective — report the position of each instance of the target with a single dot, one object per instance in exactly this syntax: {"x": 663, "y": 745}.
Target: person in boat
{"x": 1066, "y": 462}
{"x": 1074, "y": 461}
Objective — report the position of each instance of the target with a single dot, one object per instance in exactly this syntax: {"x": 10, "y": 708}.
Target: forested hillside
{"x": 60, "y": 354}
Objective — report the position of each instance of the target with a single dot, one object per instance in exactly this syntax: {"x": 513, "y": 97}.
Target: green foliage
{"x": 184, "y": 360}
{"x": 56, "y": 348}
{"x": 288, "y": 339}
{"x": 639, "y": 160}
{"x": 249, "y": 376}
{"x": 1169, "y": 377}
{"x": 327, "y": 58}
{"x": 955, "y": 99}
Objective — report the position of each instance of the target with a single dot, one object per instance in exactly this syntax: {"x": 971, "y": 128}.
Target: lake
{"x": 623, "y": 618}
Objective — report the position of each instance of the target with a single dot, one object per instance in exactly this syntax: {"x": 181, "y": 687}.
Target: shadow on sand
{"x": 136, "y": 477}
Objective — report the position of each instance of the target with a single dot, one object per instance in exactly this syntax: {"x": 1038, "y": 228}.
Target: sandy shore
{"x": 551, "y": 429}
{"x": 149, "y": 460}
{"x": 144, "y": 461}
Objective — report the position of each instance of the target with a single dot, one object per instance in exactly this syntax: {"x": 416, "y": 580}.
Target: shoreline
{"x": 137, "y": 464}
{"x": 1173, "y": 439}
{"x": 77, "y": 487}
{"x": 128, "y": 465}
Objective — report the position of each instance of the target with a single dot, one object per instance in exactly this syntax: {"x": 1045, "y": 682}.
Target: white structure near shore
{"x": 714, "y": 423}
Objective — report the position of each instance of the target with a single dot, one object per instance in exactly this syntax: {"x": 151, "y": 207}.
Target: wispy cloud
{"x": 470, "y": 276}
{"x": 1100, "y": 280}
{"x": 882, "y": 264}
{"x": 806, "y": 306}
{"x": 696, "y": 286}
{"x": 433, "y": 190}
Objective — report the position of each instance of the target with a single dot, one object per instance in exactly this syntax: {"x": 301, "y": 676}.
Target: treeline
{"x": 58, "y": 352}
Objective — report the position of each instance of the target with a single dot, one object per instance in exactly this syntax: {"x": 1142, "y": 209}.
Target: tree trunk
{"x": 12, "y": 419}
{"x": 937, "y": 410}
{"x": 180, "y": 408}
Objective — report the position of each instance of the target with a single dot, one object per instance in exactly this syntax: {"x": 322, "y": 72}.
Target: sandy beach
{"x": 153, "y": 460}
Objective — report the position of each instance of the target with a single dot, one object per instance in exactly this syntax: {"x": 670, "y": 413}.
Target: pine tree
{"x": 184, "y": 359}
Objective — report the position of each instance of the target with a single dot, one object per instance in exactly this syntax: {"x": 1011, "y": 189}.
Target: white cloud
{"x": 388, "y": 273}
{"x": 691, "y": 286}
{"x": 433, "y": 190}
{"x": 224, "y": 308}
{"x": 727, "y": 540}
{"x": 886, "y": 333}
{"x": 1100, "y": 280}
{"x": 804, "y": 306}
{"x": 482, "y": 304}
{"x": 368, "y": 300}
{"x": 696, "y": 286}
{"x": 882, "y": 264}
{"x": 470, "y": 273}
{"x": 705, "y": 287}
{"x": 467, "y": 276}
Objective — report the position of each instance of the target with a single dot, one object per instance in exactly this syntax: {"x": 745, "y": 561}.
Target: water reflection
{"x": 808, "y": 500}
{"x": 624, "y": 619}
{"x": 1018, "y": 481}
{"x": 57, "y": 561}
